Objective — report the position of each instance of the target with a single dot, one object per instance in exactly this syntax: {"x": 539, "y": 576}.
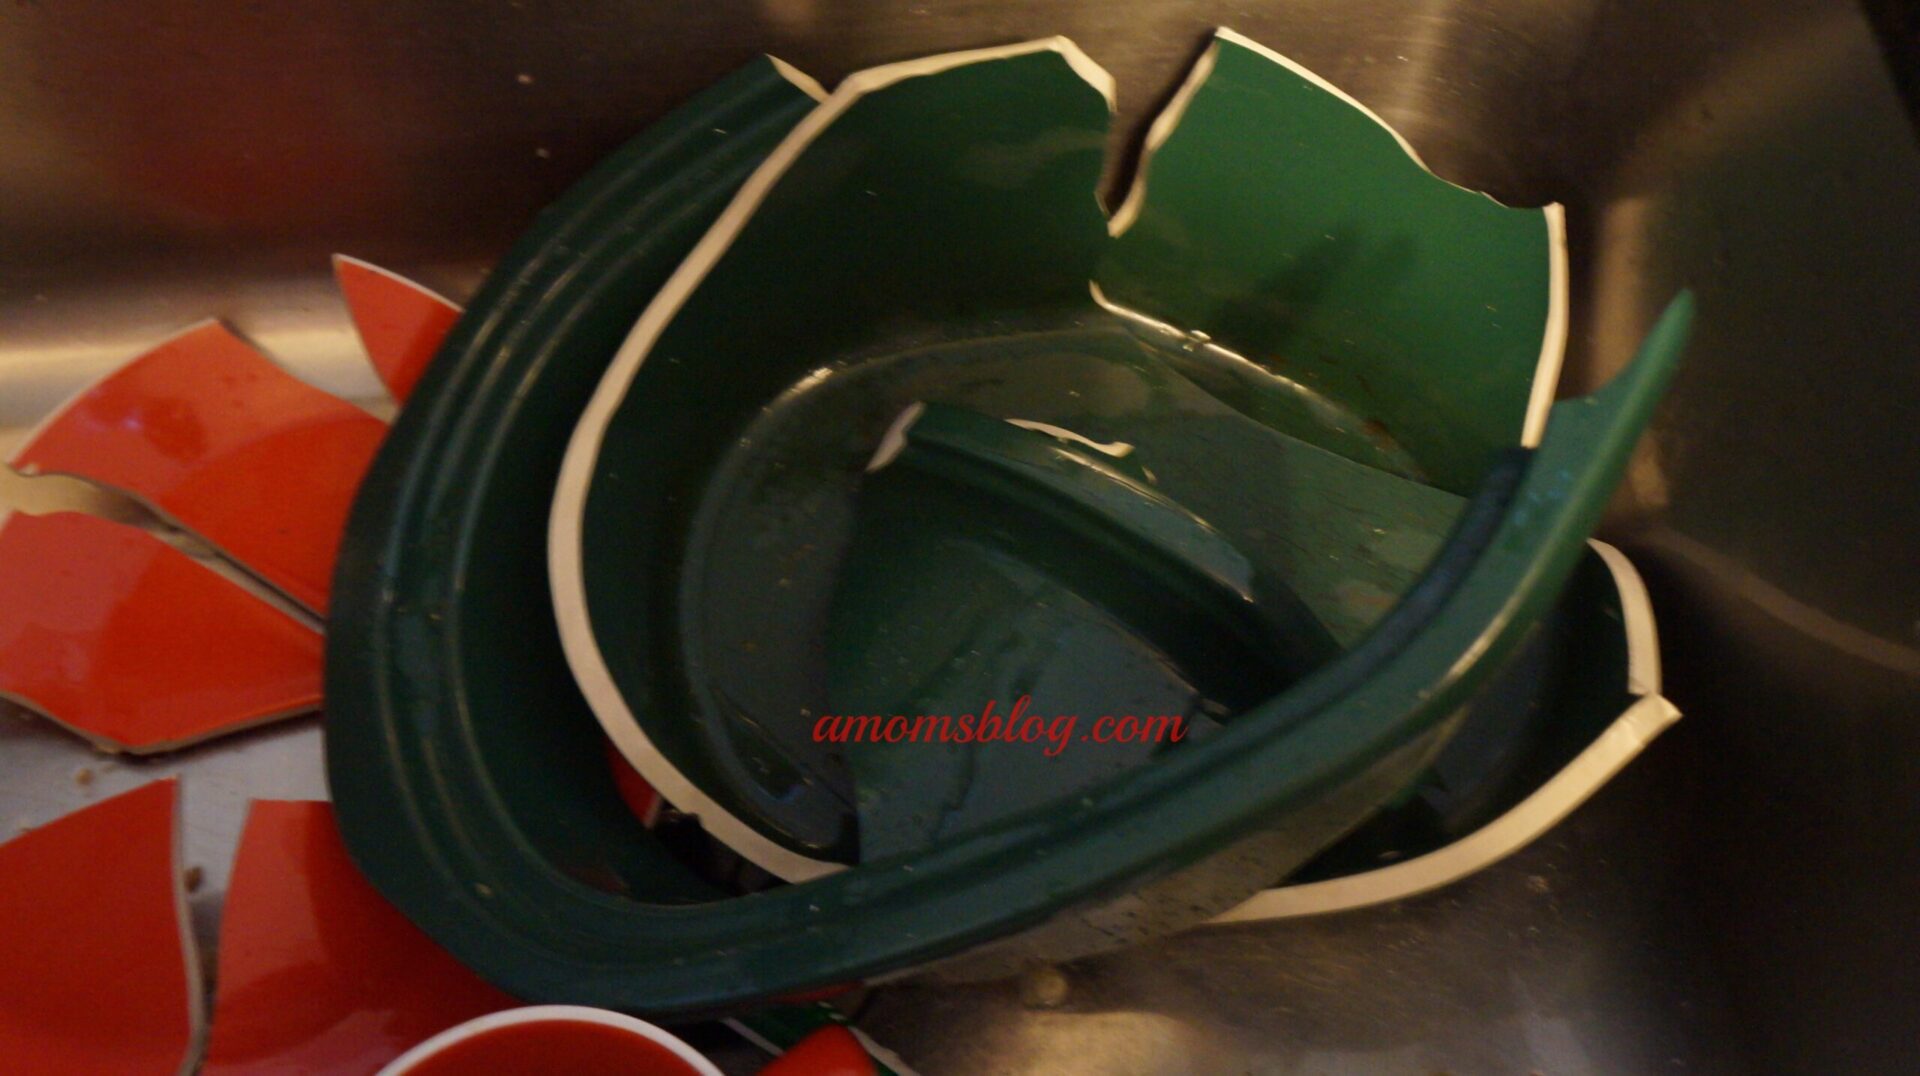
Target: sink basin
{"x": 1738, "y": 901}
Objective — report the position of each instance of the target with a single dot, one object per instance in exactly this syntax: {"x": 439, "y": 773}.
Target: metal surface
{"x": 1741, "y": 900}
{"x": 1573, "y": 957}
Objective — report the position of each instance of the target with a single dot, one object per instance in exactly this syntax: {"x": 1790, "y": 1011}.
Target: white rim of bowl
{"x": 549, "y": 1014}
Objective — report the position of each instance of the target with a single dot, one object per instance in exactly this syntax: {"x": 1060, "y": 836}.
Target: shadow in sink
{"x": 1561, "y": 959}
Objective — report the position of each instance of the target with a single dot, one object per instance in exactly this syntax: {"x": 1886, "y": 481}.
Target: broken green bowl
{"x": 1287, "y": 304}
{"x": 467, "y": 767}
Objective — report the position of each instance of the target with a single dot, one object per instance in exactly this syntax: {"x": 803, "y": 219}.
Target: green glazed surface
{"x": 468, "y": 773}
{"x": 708, "y": 546}
{"x": 1297, "y": 231}
{"x": 935, "y": 242}
{"x": 1564, "y": 687}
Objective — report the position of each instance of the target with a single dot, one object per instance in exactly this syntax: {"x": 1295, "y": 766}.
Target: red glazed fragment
{"x": 97, "y": 967}
{"x": 830, "y": 1051}
{"x": 124, "y": 639}
{"x": 318, "y": 973}
{"x": 218, "y": 439}
{"x": 401, "y": 323}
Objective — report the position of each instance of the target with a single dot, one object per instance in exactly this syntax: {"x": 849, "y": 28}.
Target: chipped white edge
{"x": 35, "y": 707}
{"x": 760, "y": 1041}
{"x": 861, "y": 83}
{"x": 200, "y": 1027}
{"x": 1116, "y": 449}
{"x": 108, "y": 746}
{"x": 894, "y": 441}
{"x": 1593, "y": 767}
{"x": 1553, "y": 343}
{"x": 1157, "y": 134}
{"x": 564, "y": 531}
{"x": 244, "y": 575}
{"x": 1557, "y": 798}
{"x": 379, "y": 270}
{"x": 881, "y": 1053}
{"x": 1553, "y": 335}
{"x": 1636, "y": 615}
{"x": 1245, "y": 42}
{"x": 802, "y": 81}
{"x": 536, "y": 1014}
{"x": 1129, "y": 313}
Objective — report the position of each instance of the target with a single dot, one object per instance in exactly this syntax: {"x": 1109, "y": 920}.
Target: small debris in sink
{"x": 191, "y": 879}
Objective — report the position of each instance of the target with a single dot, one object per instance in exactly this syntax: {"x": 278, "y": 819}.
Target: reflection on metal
{"x": 1819, "y": 628}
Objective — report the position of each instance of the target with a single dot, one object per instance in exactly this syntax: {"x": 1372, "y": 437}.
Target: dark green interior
{"x": 469, "y": 778}
{"x": 935, "y": 243}
{"x": 1298, "y": 232}
{"x": 716, "y": 658}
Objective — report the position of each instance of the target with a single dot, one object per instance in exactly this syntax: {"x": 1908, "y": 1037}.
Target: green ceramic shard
{"x": 1574, "y": 667}
{"x": 1057, "y": 579}
{"x": 1576, "y": 702}
{"x": 452, "y": 716}
{"x": 1057, "y": 587}
{"x": 468, "y": 772}
{"x": 695, "y": 530}
{"x": 1288, "y": 224}
{"x": 1347, "y": 539}
{"x": 930, "y": 234}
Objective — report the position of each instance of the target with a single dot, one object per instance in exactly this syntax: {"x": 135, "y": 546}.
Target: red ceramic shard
{"x": 401, "y": 323}
{"x": 131, "y": 643}
{"x": 318, "y": 973}
{"x": 830, "y": 1051}
{"x": 97, "y": 966}
{"x": 215, "y": 437}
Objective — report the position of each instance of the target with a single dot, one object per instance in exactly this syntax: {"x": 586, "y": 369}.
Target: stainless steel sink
{"x": 1741, "y": 900}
